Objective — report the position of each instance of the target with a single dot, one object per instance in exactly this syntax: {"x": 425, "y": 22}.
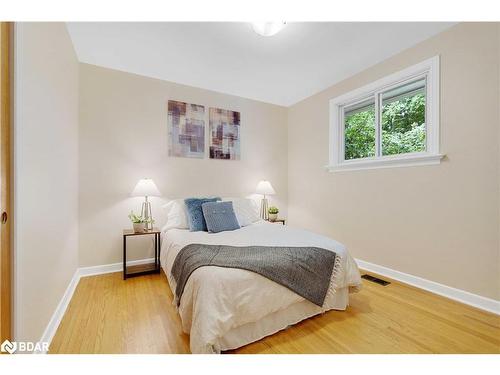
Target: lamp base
{"x": 147, "y": 215}
{"x": 263, "y": 209}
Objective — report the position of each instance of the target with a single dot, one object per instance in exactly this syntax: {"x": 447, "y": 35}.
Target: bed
{"x": 226, "y": 308}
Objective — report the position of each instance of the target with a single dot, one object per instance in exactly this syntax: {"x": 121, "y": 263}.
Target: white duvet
{"x": 222, "y": 308}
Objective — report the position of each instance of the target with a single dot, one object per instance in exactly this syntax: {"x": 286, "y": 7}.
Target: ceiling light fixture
{"x": 268, "y": 28}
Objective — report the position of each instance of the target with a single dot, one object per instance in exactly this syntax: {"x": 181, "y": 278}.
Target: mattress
{"x": 226, "y": 308}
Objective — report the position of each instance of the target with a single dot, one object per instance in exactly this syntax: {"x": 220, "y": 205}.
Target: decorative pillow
{"x": 220, "y": 216}
{"x": 176, "y": 215}
{"x": 246, "y": 210}
{"x": 195, "y": 217}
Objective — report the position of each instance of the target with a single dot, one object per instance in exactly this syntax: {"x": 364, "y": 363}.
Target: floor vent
{"x": 375, "y": 279}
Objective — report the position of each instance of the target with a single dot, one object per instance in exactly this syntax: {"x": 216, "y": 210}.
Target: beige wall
{"x": 45, "y": 172}
{"x": 437, "y": 222}
{"x": 123, "y": 137}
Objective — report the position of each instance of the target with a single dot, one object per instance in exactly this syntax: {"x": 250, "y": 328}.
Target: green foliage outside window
{"x": 403, "y": 128}
{"x": 360, "y": 134}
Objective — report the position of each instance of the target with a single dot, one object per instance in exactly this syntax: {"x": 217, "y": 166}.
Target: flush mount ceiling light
{"x": 268, "y": 28}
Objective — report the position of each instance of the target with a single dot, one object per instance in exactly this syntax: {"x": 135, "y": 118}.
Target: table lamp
{"x": 146, "y": 188}
{"x": 264, "y": 188}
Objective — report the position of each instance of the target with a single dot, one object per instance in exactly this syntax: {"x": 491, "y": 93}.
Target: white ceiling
{"x": 301, "y": 60}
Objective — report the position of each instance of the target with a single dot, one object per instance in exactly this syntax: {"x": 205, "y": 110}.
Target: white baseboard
{"x": 459, "y": 295}
{"x": 109, "y": 268}
{"x": 54, "y": 322}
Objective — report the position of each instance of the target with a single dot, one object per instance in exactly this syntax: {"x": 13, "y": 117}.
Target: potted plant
{"x": 138, "y": 222}
{"x": 273, "y": 213}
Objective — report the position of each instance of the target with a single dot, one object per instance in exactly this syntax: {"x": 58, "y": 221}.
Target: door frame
{"x": 6, "y": 214}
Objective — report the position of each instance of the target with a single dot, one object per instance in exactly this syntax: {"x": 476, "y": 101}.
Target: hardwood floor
{"x": 109, "y": 315}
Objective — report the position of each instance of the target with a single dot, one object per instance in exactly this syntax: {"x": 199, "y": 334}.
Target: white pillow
{"x": 176, "y": 215}
{"x": 246, "y": 210}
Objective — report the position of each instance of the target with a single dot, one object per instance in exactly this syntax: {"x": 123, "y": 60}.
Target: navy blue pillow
{"x": 220, "y": 216}
{"x": 196, "y": 220}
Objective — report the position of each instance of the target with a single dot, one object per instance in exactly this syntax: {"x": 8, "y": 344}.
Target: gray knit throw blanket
{"x": 306, "y": 271}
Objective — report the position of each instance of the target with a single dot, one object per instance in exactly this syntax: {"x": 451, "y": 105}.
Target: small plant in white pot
{"x": 273, "y": 213}
{"x": 138, "y": 222}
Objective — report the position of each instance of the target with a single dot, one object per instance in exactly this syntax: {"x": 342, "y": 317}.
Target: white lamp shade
{"x": 265, "y": 188}
{"x": 145, "y": 188}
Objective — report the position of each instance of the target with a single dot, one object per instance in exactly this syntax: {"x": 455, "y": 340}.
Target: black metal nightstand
{"x": 279, "y": 221}
{"x": 141, "y": 269}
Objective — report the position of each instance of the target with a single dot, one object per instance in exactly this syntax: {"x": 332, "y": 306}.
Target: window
{"x": 392, "y": 122}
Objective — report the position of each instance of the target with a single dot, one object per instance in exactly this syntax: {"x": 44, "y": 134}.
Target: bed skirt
{"x": 277, "y": 321}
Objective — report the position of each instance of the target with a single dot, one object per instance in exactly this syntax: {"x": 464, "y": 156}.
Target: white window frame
{"x": 428, "y": 69}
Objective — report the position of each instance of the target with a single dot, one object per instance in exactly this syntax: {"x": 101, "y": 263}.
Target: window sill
{"x": 387, "y": 162}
